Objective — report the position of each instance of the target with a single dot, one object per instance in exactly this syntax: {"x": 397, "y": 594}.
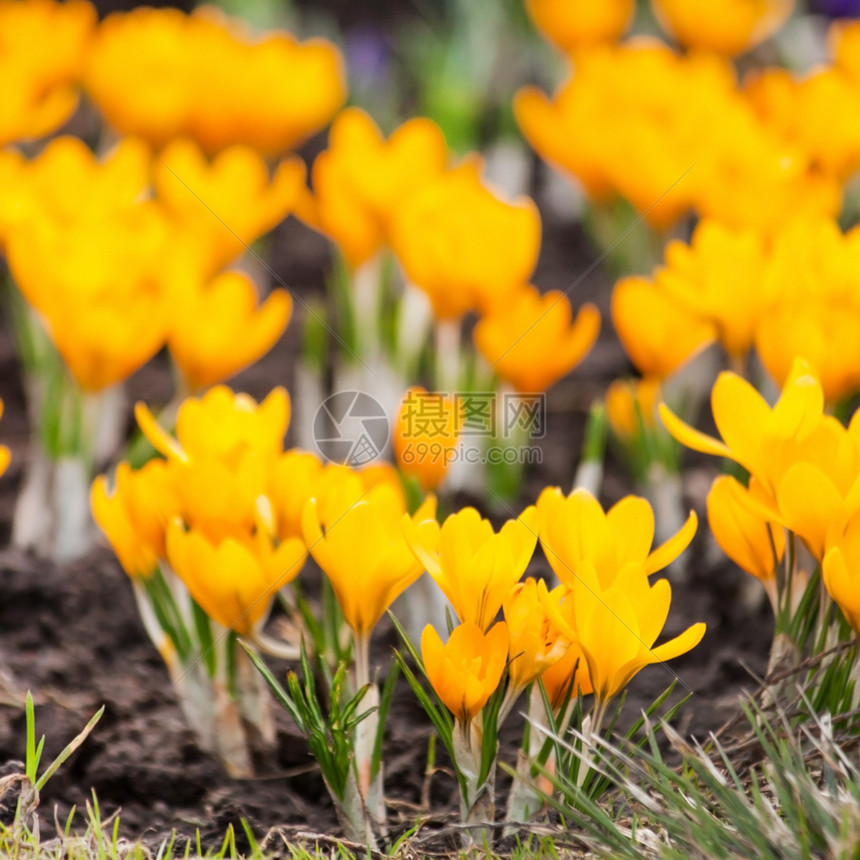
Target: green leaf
{"x": 384, "y": 706}
{"x": 203, "y": 628}
{"x": 68, "y": 750}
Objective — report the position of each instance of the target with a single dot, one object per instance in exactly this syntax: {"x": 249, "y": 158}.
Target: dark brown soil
{"x": 71, "y": 634}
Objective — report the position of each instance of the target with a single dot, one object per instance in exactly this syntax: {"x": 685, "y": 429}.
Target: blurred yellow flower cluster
{"x": 727, "y": 27}
{"x": 594, "y": 632}
{"x": 818, "y": 110}
{"x": 456, "y": 240}
{"x": 681, "y": 136}
{"x": 804, "y": 468}
{"x": 570, "y": 24}
{"x": 233, "y": 514}
{"x": 122, "y": 254}
{"x": 43, "y": 47}
{"x": 206, "y": 509}
{"x": 426, "y": 435}
{"x": 160, "y": 74}
{"x": 792, "y": 293}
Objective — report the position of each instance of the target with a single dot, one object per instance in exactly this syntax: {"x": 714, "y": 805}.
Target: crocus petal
{"x": 313, "y": 537}
{"x": 690, "y": 437}
{"x": 740, "y": 413}
{"x": 688, "y": 640}
{"x": 800, "y": 408}
{"x": 632, "y": 523}
{"x": 163, "y": 442}
{"x": 841, "y": 585}
{"x": 423, "y": 540}
{"x": 810, "y": 504}
{"x": 665, "y": 554}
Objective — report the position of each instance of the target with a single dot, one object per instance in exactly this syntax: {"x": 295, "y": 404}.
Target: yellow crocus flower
{"x": 762, "y": 439}
{"x": 570, "y": 24}
{"x": 464, "y": 246}
{"x": 569, "y": 674}
{"x": 532, "y": 340}
{"x": 361, "y": 548}
{"x": 87, "y": 253}
{"x": 720, "y": 278}
{"x": 673, "y": 336}
{"x": 221, "y": 425}
{"x": 467, "y": 669}
{"x": 43, "y": 45}
{"x": 616, "y": 625}
{"x": 574, "y": 530}
{"x": 475, "y": 567}
{"x": 631, "y": 407}
{"x": 161, "y": 74}
{"x": 426, "y": 435}
{"x": 818, "y": 112}
{"x": 751, "y": 177}
{"x": 814, "y": 310}
{"x": 233, "y": 581}
{"x": 362, "y": 178}
{"x": 293, "y": 481}
{"x": 221, "y": 207}
{"x": 221, "y": 328}
{"x": 535, "y": 644}
{"x": 647, "y": 148}
{"x": 754, "y": 543}
{"x": 726, "y": 26}
{"x": 135, "y": 515}
{"x": 225, "y": 498}
{"x": 66, "y": 183}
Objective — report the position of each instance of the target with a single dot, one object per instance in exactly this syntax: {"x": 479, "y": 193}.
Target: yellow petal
{"x": 754, "y": 543}
{"x": 665, "y": 554}
{"x": 690, "y": 437}
{"x": 632, "y": 523}
{"x": 842, "y": 585}
{"x": 741, "y": 415}
{"x": 163, "y": 442}
{"x": 810, "y": 504}
{"x": 688, "y": 640}
{"x": 423, "y": 540}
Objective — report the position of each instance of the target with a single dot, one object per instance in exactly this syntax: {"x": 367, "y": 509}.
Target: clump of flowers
{"x": 160, "y": 74}
{"x": 196, "y": 532}
{"x": 803, "y": 466}
{"x": 356, "y": 537}
{"x": 461, "y": 248}
{"x": 784, "y": 294}
{"x": 114, "y": 257}
{"x": 662, "y": 147}
{"x": 592, "y": 634}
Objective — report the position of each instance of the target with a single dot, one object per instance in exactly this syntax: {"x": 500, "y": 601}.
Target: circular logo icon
{"x": 351, "y": 427}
